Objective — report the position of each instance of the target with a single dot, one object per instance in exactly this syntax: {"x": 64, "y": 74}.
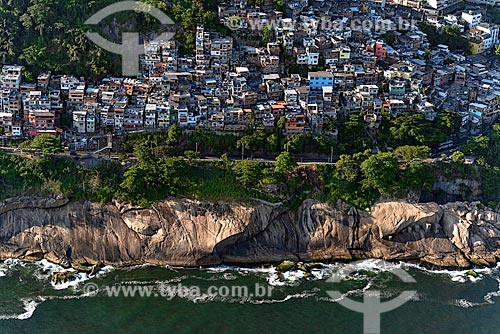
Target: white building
{"x": 11, "y": 77}
{"x": 70, "y": 82}
{"x": 312, "y": 56}
{"x": 291, "y": 96}
{"x": 79, "y": 121}
{"x": 444, "y": 6}
{"x": 150, "y": 116}
{"x": 492, "y": 33}
{"x": 473, "y": 19}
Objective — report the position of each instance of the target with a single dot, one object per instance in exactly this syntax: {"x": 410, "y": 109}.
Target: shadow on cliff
{"x": 284, "y": 234}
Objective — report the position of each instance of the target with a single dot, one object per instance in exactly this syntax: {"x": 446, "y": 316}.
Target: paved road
{"x": 114, "y": 156}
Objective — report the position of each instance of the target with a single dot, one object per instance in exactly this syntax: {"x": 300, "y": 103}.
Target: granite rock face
{"x": 191, "y": 233}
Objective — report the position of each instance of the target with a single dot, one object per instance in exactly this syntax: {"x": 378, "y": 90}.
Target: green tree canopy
{"x": 389, "y": 38}
{"x": 174, "y": 135}
{"x": 284, "y": 164}
{"x": 409, "y": 153}
{"x": 47, "y": 144}
{"x": 457, "y": 157}
{"x": 380, "y": 171}
{"x": 248, "y": 172}
{"x": 295, "y": 143}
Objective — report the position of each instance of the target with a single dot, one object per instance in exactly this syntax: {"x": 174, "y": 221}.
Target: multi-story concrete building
{"x": 472, "y": 18}
{"x": 11, "y": 77}
{"x": 444, "y": 6}
{"x": 320, "y": 79}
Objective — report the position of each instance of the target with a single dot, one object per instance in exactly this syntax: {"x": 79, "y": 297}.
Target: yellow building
{"x": 476, "y": 46}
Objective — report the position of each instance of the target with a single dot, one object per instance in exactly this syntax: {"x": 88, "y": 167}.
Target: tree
{"x": 47, "y": 144}
{"x": 345, "y": 182}
{"x": 330, "y": 124}
{"x": 416, "y": 176}
{"x": 247, "y": 142}
{"x": 458, "y": 157}
{"x": 497, "y": 50}
{"x": 284, "y": 164}
{"x": 485, "y": 148}
{"x": 260, "y": 136}
{"x": 248, "y": 172}
{"x": 273, "y": 142}
{"x": 295, "y": 143}
{"x": 191, "y": 155}
{"x": 149, "y": 181}
{"x": 174, "y": 135}
{"x": 226, "y": 163}
{"x": 380, "y": 171}
{"x": 450, "y": 35}
{"x": 253, "y": 141}
{"x": 266, "y": 34}
{"x": 448, "y": 121}
{"x": 353, "y": 136}
{"x": 414, "y": 129}
{"x": 279, "y": 5}
{"x": 281, "y": 123}
{"x": 389, "y": 38}
{"x": 347, "y": 168}
{"x": 478, "y": 146}
{"x": 427, "y": 55}
{"x": 409, "y": 153}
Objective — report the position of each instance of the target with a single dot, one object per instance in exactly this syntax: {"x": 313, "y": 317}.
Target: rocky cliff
{"x": 190, "y": 233}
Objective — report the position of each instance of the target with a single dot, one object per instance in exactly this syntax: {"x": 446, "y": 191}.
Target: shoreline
{"x": 424, "y": 266}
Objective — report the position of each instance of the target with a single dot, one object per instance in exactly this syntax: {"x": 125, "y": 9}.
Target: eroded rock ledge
{"x": 191, "y": 233}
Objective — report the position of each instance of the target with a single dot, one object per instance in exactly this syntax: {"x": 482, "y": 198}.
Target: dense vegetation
{"x": 362, "y": 178}
{"x": 358, "y": 179}
{"x": 449, "y": 35}
{"x": 53, "y": 33}
{"x": 414, "y": 129}
{"x": 486, "y": 150}
{"x": 46, "y": 176}
{"x": 46, "y": 144}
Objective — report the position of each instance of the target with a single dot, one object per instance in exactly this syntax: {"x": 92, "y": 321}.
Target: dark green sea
{"x": 446, "y": 301}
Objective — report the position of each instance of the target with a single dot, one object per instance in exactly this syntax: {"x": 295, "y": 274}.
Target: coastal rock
{"x": 285, "y": 266}
{"x": 62, "y": 277}
{"x": 191, "y": 233}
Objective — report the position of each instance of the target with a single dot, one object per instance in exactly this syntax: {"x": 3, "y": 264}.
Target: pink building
{"x": 380, "y": 50}
{"x": 41, "y": 121}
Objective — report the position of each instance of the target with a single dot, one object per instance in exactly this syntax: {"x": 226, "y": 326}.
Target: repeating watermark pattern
{"x": 169, "y": 291}
{"x": 322, "y": 24}
{"x": 131, "y": 48}
{"x": 372, "y": 307}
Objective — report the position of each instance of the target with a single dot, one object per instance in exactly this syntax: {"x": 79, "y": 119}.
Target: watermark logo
{"x": 169, "y": 291}
{"x": 372, "y": 307}
{"x": 131, "y": 48}
{"x": 234, "y": 23}
{"x": 313, "y": 26}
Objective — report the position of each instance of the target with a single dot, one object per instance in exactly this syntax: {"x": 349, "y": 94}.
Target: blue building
{"x": 318, "y": 80}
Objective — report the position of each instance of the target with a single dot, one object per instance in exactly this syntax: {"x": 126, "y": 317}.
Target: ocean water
{"x": 445, "y": 301}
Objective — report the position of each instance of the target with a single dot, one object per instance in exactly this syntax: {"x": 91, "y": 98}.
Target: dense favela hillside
{"x": 208, "y": 147}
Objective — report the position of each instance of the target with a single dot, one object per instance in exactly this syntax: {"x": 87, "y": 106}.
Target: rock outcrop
{"x": 191, "y": 233}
